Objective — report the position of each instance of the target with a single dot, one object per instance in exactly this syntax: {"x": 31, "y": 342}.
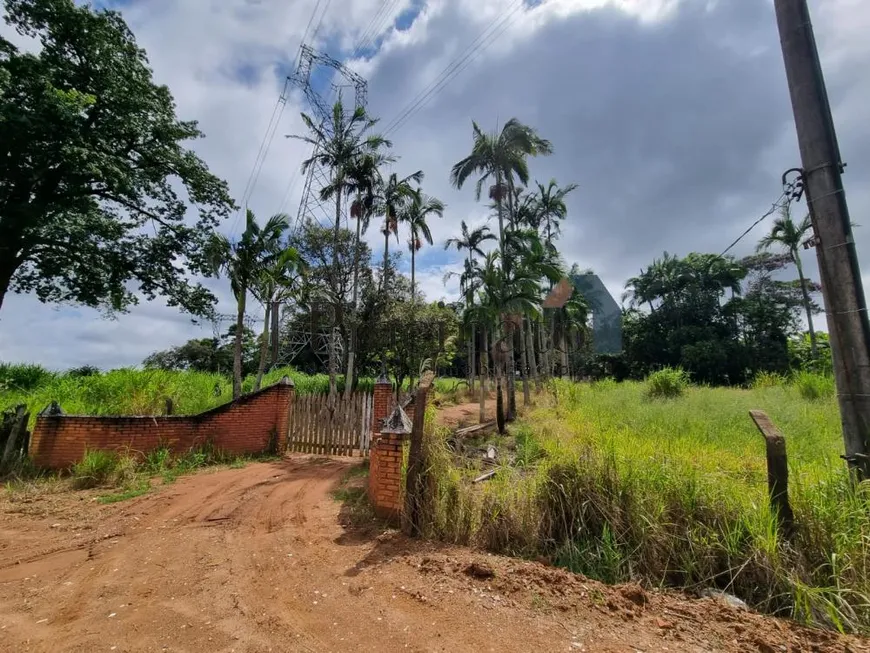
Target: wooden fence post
{"x": 777, "y": 470}
{"x": 412, "y": 517}
{"x": 17, "y": 432}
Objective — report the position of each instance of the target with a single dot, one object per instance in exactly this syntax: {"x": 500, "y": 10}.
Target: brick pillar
{"x": 386, "y": 490}
{"x": 381, "y": 403}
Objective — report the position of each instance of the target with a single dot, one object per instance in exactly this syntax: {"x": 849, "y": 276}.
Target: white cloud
{"x": 673, "y": 117}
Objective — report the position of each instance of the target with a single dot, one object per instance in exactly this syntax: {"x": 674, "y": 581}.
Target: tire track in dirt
{"x": 256, "y": 559}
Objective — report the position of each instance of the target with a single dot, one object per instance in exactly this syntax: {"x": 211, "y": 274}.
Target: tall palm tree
{"x": 416, "y": 214}
{"x": 551, "y": 209}
{"x": 639, "y": 290}
{"x": 242, "y": 261}
{"x": 274, "y": 284}
{"x": 395, "y": 195}
{"x": 364, "y": 181}
{"x": 788, "y": 235}
{"x": 471, "y": 241}
{"x": 338, "y": 144}
{"x": 501, "y": 157}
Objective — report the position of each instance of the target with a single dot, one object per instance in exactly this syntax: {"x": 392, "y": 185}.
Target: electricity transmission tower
{"x": 325, "y": 344}
{"x": 310, "y": 206}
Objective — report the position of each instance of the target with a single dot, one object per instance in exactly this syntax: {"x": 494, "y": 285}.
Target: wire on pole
{"x": 773, "y": 208}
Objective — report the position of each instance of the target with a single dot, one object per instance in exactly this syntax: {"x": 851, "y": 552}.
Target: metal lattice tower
{"x": 310, "y": 206}
{"x": 326, "y": 344}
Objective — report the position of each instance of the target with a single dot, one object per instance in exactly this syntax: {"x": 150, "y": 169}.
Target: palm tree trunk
{"x": 333, "y": 334}
{"x": 413, "y": 271}
{"x": 469, "y": 376}
{"x": 237, "y": 344}
{"x": 351, "y": 353}
{"x": 499, "y": 397}
{"x": 386, "y": 256}
{"x": 524, "y": 364}
{"x": 545, "y": 352}
{"x": 814, "y": 352}
{"x": 530, "y": 348}
{"x": 264, "y": 348}
{"x": 566, "y": 369}
{"x": 551, "y": 344}
{"x": 511, "y": 381}
{"x": 483, "y": 371}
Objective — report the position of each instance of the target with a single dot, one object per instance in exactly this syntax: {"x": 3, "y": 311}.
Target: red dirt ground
{"x": 264, "y": 559}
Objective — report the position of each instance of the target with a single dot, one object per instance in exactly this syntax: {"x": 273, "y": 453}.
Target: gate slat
{"x": 346, "y": 431}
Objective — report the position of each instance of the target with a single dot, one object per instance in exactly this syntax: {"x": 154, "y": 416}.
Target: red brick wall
{"x": 386, "y": 489}
{"x": 381, "y": 404}
{"x": 244, "y": 426}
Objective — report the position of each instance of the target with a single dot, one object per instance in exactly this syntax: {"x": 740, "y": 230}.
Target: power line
{"x": 320, "y": 22}
{"x": 385, "y": 20}
{"x": 274, "y": 120}
{"x": 265, "y": 143}
{"x": 774, "y": 207}
{"x": 366, "y": 34}
{"x": 495, "y": 29}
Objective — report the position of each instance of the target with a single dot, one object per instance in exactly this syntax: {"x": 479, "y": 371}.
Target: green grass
{"x": 131, "y": 391}
{"x": 620, "y": 486}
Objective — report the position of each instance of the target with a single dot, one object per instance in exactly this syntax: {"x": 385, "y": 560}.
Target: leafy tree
{"x": 275, "y": 283}
{"x": 244, "y": 262}
{"x": 789, "y": 235}
{"x": 212, "y": 355}
{"x": 322, "y": 290}
{"x": 92, "y": 159}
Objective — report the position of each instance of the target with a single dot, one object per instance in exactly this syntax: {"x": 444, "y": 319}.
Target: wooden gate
{"x": 347, "y": 432}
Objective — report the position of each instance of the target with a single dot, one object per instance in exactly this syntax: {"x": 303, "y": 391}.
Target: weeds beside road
{"x": 613, "y": 484}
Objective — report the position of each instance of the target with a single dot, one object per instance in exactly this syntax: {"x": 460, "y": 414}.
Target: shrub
{"x": 23, "y": 377}
{"x": 95, "y": 469}
{"x": 84, "y": 370}
{"x": 812, "y": 386}
{"x": 666, "y": 383}
{"x": 767, "y": 380}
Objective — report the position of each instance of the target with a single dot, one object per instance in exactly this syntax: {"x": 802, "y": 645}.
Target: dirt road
{"x": 257, "y": 559}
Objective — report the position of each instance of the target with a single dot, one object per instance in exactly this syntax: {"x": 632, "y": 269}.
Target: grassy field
{"x": 133, "y": 391}
{"x": 619, "y": 486}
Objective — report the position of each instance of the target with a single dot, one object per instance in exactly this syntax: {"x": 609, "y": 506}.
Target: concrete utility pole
{"x": 845, "y": 305}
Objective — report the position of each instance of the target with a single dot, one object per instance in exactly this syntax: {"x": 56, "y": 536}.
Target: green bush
{"x": 23, "y": 377}
{"x": 814, "y": 387}
{"x": 767, "y": 380}
{"x": 666, "y": 383}
{"x": 95, "y": 469}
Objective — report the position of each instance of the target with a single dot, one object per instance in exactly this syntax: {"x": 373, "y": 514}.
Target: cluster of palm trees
{"x": 504, "y": 288}
{"x": 356, "y": 158}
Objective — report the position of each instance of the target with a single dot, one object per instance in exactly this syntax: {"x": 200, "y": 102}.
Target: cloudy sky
{"x": 671, "y": 115}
